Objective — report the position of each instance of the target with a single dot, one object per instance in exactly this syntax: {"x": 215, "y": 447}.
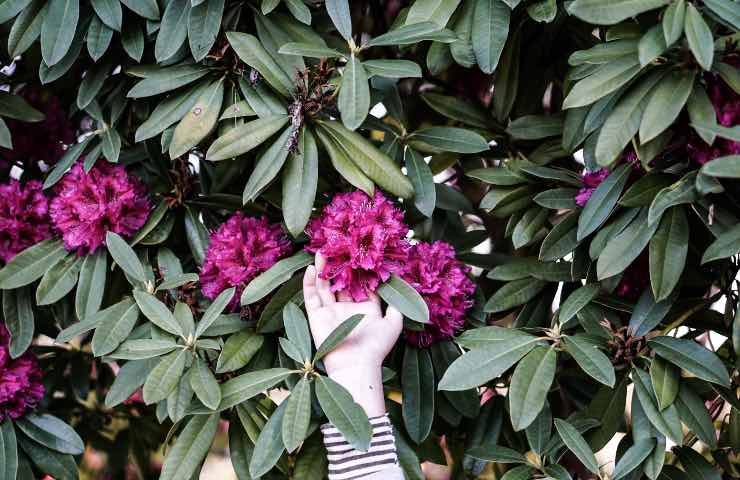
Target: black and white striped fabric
{"x": 346, "y": 463}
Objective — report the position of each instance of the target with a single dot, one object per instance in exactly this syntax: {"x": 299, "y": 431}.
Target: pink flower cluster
{"x": 20, "y": 381}
{"x": 24, "y": 217}
{"x": 90, "y": 204}
{"x": 727, "y": 107}
{"x": 241, "y": 248}
{"x": 43, "y": 141}
{"x": 590, "y": 180}
{"x": 443, "y": 282}
{"x": 363, "y": 240}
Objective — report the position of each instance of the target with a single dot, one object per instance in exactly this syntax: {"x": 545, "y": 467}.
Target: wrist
{"x": 365, "y": 383}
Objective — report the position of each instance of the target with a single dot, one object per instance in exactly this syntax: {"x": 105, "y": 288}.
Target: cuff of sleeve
{"x": 346, "y": 463}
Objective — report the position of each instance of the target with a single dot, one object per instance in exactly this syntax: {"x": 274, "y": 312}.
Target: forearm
{"x": 365, "y": 384}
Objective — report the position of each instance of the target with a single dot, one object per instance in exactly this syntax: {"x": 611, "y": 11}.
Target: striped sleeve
{"x": 346, "y": 463}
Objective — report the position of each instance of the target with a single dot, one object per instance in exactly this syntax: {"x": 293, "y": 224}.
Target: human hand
{"x": 356, "y": 362}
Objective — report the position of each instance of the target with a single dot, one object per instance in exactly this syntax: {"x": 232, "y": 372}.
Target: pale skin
{"x": 356, "y": 363}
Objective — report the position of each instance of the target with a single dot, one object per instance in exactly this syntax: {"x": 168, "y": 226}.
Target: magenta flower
{"x": 635, "y": 278}
{"x": 24, "y": 217}
{"x": 241, "y": 248}
{"x": 89, "y": 205}
{"x": 591, "y": 180}
{"x": 42, "y": 141}
{"x": 363, "y": 240}
{"x": 20, "y": 381}
{"x": 443, "y": 282}
{"x": 727, "y": 107}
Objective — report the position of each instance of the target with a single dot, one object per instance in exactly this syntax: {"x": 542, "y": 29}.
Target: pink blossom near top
{"x": 443, "y": 282}
{"x": 241, "y": 248}
{"x": 40, "y": 141}
{"x": 591, "y": 180}
{"x": 24, "y": 217}
{"x": 726, "y": 104}
{"x": 20, "y": 381}
{"x": 89, "y": 205}
{"x": 363, "y": 240}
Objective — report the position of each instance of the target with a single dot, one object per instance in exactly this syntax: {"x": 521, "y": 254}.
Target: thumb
{"x": 394, "y": 319}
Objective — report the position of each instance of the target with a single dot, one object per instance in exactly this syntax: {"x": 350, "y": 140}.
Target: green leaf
{"x": 623, "y": 249}
{"x": 561, "y": 240}
{"x": 614, "y": 11}
{"x": 192, "y": 445}
{"x": 496, "y": 453}
{"x": 694, "y": 414}
{"x": 668, "y": 249}
{"x": 418, "y": 389}
{"x": 19, "y": 319}
{"x": 196, "y": 234}
{"x": 338, "y": 11}
{"x": 166, "y": 79}
{"x": 148, "y": 9}
{"x": 337, "y": 336}
{"x": 696, "y": 466}
{"x": 296, "y": 327}
{"x": 158, "y": 313}
{"x": 652, "y": 45}
{"x": 170, "y": 111}
{"x": 602, "y": 201}
{"x": 199, "y": 122}
{"x": 11, "y": 8}
{"x": 109, "y": 12}
{"x": 31, "y": 264}
{"x": 251, "y": 51}
{"x": 607, "y": 79}
{"x": 164, "y": 377}
{"x": 58, "y": 29}
{"x": 204, "y": 384}
{"x": 673, "y": 21}
{"x": 576, "y": 444}
{"x": 665, "y": 382}
{"x": 723, "y": 167}
{"x": 343, "y": 413}
{"x": 247, "y": 385}
{"x": 8, "y": 450}
{"x": 241, "y": 139}
{"x": 726, "y": 10}
{"x": 666, "y": 102}
{"x": 238, "y": 351}
{"x": 576, "y": 301}
{"x": 99, "y": 37}
{"x": 514, "y": 294}
{"x": 132, "y": 39}
{"x": 354, "y": 94}
{"x": 130, "y": 377}
{"x": 591, "y": 359}
{"x": 405, "y": 299}
{"x": 269, "y": 446}
{"x": 633, "y": 457}
{"x": 490, "y": 29}
{"x": 51, "y": 432}
{"x": 425, "y": 196}
{"x": 724, "y": 246}
{"x": 392, "y": 68}
{"x": 457, "y": 109}
{"x": 484, "y": 364}
{"x": 342, "y": 163}
{"x": 623, "y": 122}
{"x": 114, "y": 324}
{"x": 412, "y": 34}
{"x": 268, "y": 166}
{"x": 371, "y": 161}
{"x": 300, "y": 179}
{"x": 61, "y": 466}
{"x": 173, "y": 29}
{"x": 692, "y": 357}
{"x": 309, "y": 50}
{"x": 530, "y": 384}
{"x": 14, "y": 106}
{"x": 297, "y": 415}
{"x": 140, "y": 349}
{"x": 451, "y": 139}
{"x": 111, "y": 141}
{"x": 648, "y": 314}
{"x": 682, "y": 191}
{"x": 124, "y": 256}
{"x": 58, "y": 281}
{"x": 276, "y": 275}
{"x": 699, "y": 37}
{"x": 204, "y": 24}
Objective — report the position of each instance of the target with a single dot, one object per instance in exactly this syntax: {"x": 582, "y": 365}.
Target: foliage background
{"x": 492, "y": 108}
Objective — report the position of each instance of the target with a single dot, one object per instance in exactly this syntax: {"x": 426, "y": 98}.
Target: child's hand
{"x": 356, "y": 362}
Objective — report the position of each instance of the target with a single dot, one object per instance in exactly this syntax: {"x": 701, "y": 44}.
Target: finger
{"x": 310, "y": 293}
{"x": 373, "y": 297}
{"x": 394, "y": 319}
{"x": 323, "y": 286}
{"x": 344, "y": 297}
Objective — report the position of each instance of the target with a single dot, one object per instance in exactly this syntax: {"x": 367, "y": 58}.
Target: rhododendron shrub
{"x": 546, "y": 189}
